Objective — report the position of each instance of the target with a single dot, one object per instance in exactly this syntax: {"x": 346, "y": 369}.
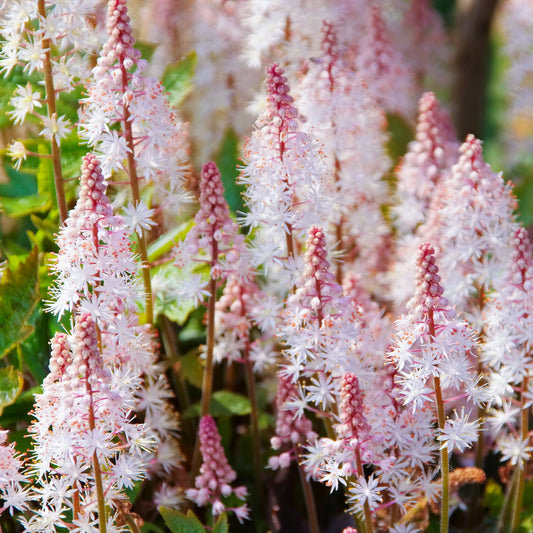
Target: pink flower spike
{"x": 284, "y": 115}
{"x": 213, "y": 482}
{"x": 352, "y": 408}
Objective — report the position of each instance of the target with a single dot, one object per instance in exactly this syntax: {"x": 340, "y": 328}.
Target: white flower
{"x": 515, "y": 450}
{"x": 17, "y": 151}
{"x": 55, "y": 128}
{"x": 24, "y": 100}
{"x": 459, "y": 433}
{"x": 138, "y": 217}
{"x": 365, "y": 492}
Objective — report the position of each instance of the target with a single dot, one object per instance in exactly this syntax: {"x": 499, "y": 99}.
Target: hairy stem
{"x": 52, "y": 114}
{"x": 368, "y": 526}
{"x": 254, "y": 418}
{"x": 102, "y": 521}
{"x": 207, "y": 382}
{"x": 134, "y": 183}
{"x": 309, "y": 500}
{"x": 444, "y": 460}
{"x": 524, "y": 431}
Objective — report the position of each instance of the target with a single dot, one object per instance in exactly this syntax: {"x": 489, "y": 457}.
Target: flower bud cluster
{"x": 216, "y": 475}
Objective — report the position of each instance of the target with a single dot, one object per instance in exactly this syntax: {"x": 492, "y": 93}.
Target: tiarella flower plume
{"x": 95, "y": 266}
{"x": 426, "y": 164}
{"x": 351, "y": 127}
{"x": 476, "y": 229}
{"x": 351, "y": 409}
{"x": 152, "y": 137}
{"x": 214, "y": 239}
{"x": 508, "y": 351}
{"x": 383, "y": 68}
{"x": 292, "y": 426}
{"x": 213, "y": 484}
{"x": 285, "y": 176}
{"x": 97, "y": 273}
{"x": 431, "y": 342}
{"x": 83, "y": 423}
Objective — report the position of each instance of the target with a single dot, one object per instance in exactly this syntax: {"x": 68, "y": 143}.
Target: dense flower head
{"x": 285, "y": 175}
{"x": 216, "y": 475}
{"x": 150, "y": 131}
{"x": 432, "y": 341}
{"x": 477, "y": 225}
{"x": 292, "y": 426}
{"x": 84, "y": 412}
{"x": 508, "y": 313}
{"x": 120, "y": 42}
{"x": 351, "y": 126}
{"x": 213, "y": 221}
{"x": 426, "y": 164}
{"x": 94, "y": 264}
{"x": 383, "y": 67}
{"x": 351, "y": 408}
{"x": 283, "y": 115}
{"x": 429, "y": 291}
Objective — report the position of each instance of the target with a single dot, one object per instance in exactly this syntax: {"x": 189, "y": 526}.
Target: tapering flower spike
{"x": 285, "y": 176}
{"x": 426, "y": 164}
{"x": 213, "y": 484}
{"x": 351, "y": 410}
{"x": 214, "y": 230}
{"x": 434, "y": 355}
{"x": 477, "y": 225}
{"x": 351, "y": 126}
{"x": 383, "y": 67}
{"x": 292, "y": 426}
{"x": 151, "y": 141}
{"x": 508, "y": 352}
{"x": 85, "y": 440}
{"x": 94, "y": 251}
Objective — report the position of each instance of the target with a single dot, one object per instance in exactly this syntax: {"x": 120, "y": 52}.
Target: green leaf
{"x": 11, "y": 383}
{"x": 147, "y": 49}
{"x": 493, "y": 498}
{"x": 223, "y": 403}
{"x": 191, "y": 369}
{"x": 19, "y": 411}
{"x": 20, "y": 207}
{"x": 166, "y": 242}
{"x": 177, "y": 79}
{"x": 227, "y": 161}
{"x": 401, "y": 134}
{"x": 20, "y": 183}
{"x": 19, "y": 293}
{"x": 221, "y": 525}
{"x": 179, "y": 523}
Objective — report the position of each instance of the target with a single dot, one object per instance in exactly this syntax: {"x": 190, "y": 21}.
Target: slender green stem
{"x": 505, "y": 520}
{"x": 254, "y": 418}
{"x": 131, "y": 523}
{"x": 102, "y": 520}
{"x": 207, "y": 382}
{"x": 368, "y": 526}
{"x": 524, "y": 430}
{"x": 309, "y": 499}
{"x": 444, "y": 460}
{"x": 52, "y": 114}
{"x": 134, "y": 183}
